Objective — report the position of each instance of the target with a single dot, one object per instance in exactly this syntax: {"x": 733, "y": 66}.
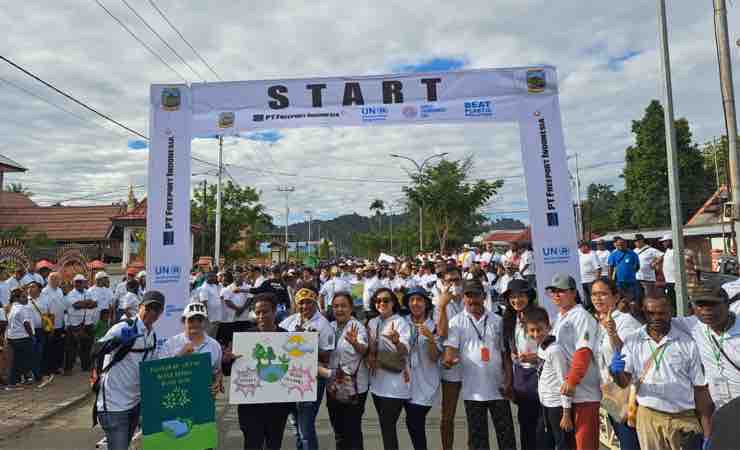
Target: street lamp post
{"x": 308, "y": 240}
{"x": 420, "y": 168}
{"x": 287, "y": 190}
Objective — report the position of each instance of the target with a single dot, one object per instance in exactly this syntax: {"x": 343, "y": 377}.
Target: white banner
{"x": 168, "y": 247}
{"x": 444, "y": 97}
{"x": 548, "y": 194}
{"x": 274, "y": 368}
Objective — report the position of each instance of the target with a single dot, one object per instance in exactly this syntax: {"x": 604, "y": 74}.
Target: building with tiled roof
{"x": 8, "y": 165}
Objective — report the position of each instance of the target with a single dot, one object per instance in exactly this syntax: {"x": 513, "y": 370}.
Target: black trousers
{"x": 389, "y": 410}
{"x": 670, "y": 292}
{"x": 587, "y": 303}
{"x": 22, "y": 358}
{"x": 549, "y": 434}
{"x": 528, "y": 413}
{"x": 416, "y": 421}
{"x": 263, "y": 425}
{"x": 477, "y": 415}
{"x": 78, "y": 343}
{"x": 346, "y": 420}
{"x": 55, "y": 351}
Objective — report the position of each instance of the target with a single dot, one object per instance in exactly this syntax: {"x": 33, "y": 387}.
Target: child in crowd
{"x": 555, "y": 425}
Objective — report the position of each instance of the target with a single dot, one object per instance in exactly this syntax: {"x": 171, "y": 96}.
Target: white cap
{"x": 79, "y": 277}
{"x": 666, "y": 237}
{"x": 141, "y": 274}
{"x": 195, "y": 309}
{"x": 100, "y": 275}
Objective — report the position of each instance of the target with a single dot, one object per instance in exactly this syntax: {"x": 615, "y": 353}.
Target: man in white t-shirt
{"x": 53, "y": 296}
{"x": 590, "y": 271}
{"x": 526, "y": 265}
{"x": 210, "y": 296}
{"x": 602, "y": 255}
{"x": 649, "y": 257}
{"x": 476, "y": 342}
{"x": 668, "y": 263}
{"x": 103, "y": 295}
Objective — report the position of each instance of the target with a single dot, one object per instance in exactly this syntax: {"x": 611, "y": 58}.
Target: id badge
{"x": 721, "y": 388}
{"x": 485, "y": 354}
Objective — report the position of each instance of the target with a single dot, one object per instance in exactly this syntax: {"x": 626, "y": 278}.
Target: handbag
{"x": 525, "y": 382}
{"x": 615, "y": 400}
{"x": 47, "y": 320}
{"x": 392, "y": 361}
{"x": 342, "y": 387}
{"x": 632, "y": 403}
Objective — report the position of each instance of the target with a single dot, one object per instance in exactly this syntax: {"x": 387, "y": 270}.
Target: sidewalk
{"x": 21, "y": 409}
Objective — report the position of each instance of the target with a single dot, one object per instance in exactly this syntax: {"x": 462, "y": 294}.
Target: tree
{"x": 451, "y": 203}
{"x": 270, "y": 355}
{"x": 597, "y": 209}
{"x": 716, "y": 165}
{"x": 259, "y": 353}
{"x": 242, "y": 216}
{"x": 19, "y": 189}
{"x": 646, "y": 172}
{"x": 377, "y": 205}
{"x": 324, "y": 249}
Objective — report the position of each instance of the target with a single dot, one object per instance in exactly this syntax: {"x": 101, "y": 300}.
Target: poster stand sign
{"x": 525, "y": 95}
{"x": 177, "y": 408}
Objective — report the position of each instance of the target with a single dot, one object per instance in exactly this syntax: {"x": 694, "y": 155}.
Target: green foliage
{"x": 18, "y": 232}
{"x": 19, "y": 188}
{"x": 242, "y": 217}
{"x": 259, "y": 353}
{"x": 451, "y": 203}
{"x": 324, "y": 249}
{"x": 715, "y": 153}
{"x": 378, "y": 205}
{"x": 598, "y": 208}
{"x": 646, "y": 173}
{"x": 270, "y": 355}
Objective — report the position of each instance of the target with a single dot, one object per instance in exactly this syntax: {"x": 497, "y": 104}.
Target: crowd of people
{"x": 417, "y": 333}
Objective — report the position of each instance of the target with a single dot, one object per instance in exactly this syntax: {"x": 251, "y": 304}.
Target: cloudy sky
{"x": 605, "y": 52}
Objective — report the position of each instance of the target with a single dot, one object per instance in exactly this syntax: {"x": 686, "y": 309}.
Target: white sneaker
{"x": 46, "y": 382}
{"x": 102, "y": 444}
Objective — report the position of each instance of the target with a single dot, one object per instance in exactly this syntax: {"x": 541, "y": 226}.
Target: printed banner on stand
{"x": 548, "y": 194}
{"x": 178, "y": 411}
{"x": 274, "y": 368}
{"x": 168, "y": 240}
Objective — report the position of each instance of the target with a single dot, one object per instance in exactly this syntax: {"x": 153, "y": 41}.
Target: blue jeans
{"x": 306, "y": 412}
{"x": 119, "y": 427}
{"x": 627, "y": 435}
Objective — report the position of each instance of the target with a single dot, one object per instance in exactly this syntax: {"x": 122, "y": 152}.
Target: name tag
{"x": 485, "y": 354}
{"x": 721, "y": 389}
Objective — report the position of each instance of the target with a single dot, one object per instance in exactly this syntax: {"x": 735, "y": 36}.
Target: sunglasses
{"x": 383, "y": 300}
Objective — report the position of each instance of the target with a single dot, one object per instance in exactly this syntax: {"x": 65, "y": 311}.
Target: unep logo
{"x": 167, "y": 273}
{"x": 556, "y": 254}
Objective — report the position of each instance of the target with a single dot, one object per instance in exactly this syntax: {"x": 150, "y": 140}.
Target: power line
{"x": 164, "y": 16}
{"x": 146, "y": 24}
{"x": 68, "y": 96}
{"x": 138, "y": 39}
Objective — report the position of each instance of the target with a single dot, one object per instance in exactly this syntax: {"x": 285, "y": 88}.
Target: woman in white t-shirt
{"x": 347, "y": 367}
{"x": 424, "y": 353}
{"x": 614, "y": 326}
{"x": 20, "y": 337}
{"x": 390, "y": 386}
{"x": 520, "y": 298}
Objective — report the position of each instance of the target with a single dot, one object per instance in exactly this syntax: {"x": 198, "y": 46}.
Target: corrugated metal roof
{"x": 62, "y": 223}
{"x": 8, "y": 165}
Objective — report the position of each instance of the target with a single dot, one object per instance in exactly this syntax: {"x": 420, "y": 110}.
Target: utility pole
{"x": 674, "y": 191}
{"x": 205, "y": 219}
{"x": 308, "y": 240}
{"x": 420, "y": 168}
{"x": 390, "y": 220}
{"x": 287, "y": 190}
{"x": 728, "y": 101}
{"x": 217, "y": 252}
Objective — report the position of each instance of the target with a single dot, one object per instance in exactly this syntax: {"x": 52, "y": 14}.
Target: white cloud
{"x": 79, "y": 48}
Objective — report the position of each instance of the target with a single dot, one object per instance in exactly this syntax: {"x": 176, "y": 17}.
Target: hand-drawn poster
{"x": 274, "y": 368}
{"x": 178, "y": 411}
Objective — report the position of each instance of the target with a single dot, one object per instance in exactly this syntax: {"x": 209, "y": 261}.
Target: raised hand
{"x": 187, "y": 349}
{"x": 393, "y": 335}
{"x": 424, "y": 331}
{"x": 352, "y": 335}
{"x": 607, "y": 321}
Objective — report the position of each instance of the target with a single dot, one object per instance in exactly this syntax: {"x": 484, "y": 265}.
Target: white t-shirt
{"x": 346, "y": 357}
{"x": 454, "y": 308}
{"x": 574, "y": 330}
{"x": 476, "y": 341}
{"x": 210, "y": 296}
{"x": 19, "y": 314}
{"x": 129, "y": 303}
{"x": 384, "y": 383}
{"x": 174, "y": 345}
{"x": 589, "y": 266}
{"x": 227, "y": 293}
{"x": 331, "y": 287}
{"x": 647, "y": 255}
{"x": 37, "y": 307}
{"x": 4, "y": 293}
{"x": 527, "y": 259}
{"x": 669, "y": 384}
{"x": 524, "y": 343}
{"x": 368, "y": 290}
{"x": 80, "y": 316}
{"x": 603, "y": 257}
{"x": 669, "y": 266}
{"x": 54, "y": 299}
{"x": 317, "y": 324}
{"x": 104, "y": 297}
{"x": 626, "y": 325}
{"x": 723, "y": 379}
{"x": 425, "y": 373}
{"x": 555, "y": 366}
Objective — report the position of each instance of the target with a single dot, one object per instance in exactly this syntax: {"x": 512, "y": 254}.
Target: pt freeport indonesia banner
{"x": 527, "y": 95}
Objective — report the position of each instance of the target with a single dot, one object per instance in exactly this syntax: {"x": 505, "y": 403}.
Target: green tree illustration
{"x": 270, "y": 355}
{"x": 259, "y": 354}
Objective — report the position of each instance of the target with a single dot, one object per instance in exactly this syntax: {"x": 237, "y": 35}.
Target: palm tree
{"x": 377, "y": 205}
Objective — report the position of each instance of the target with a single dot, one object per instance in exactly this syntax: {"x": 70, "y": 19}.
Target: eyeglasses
{"x": 599, "y": 294}
{"x": 383, "y": 300}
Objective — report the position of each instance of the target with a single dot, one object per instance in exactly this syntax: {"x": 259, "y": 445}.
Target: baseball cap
{"x": 562, "y": 281}
{"x": 79, "y": 277}
{"x": 195, "y": 309}
{"x": 153, "y": 297}
{"x": 30, "y": 282}
{"x": 666, "y": 237}
{"x": 131, "y": 271}
{"x": 305, "y": 294}
{"x": 421, "y": 292}
{"x": 639, "y": 237}
{"x": 472, "y": 287}
{"x": 100, "y": 275}
{"x": 517, "y": 287}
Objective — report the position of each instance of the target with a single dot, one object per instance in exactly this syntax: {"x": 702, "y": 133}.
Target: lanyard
{"x": 481, "y": 337}
{"x": 658, "y": 357}
{"x": 717, "y": 348}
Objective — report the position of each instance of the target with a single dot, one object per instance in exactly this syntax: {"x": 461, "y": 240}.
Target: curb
{"x": 58, "y": 408}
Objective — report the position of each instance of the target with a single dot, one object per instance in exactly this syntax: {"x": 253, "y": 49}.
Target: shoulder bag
{"x": 47, "y": 320}
{"x": 392, "y": 361}
{"x": 634, "y": 389}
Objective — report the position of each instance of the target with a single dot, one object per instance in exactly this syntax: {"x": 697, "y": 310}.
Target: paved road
{"x": 71, "y": 430}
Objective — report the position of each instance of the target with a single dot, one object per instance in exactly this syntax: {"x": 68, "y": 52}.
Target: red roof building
{"x": 505, "y": 237}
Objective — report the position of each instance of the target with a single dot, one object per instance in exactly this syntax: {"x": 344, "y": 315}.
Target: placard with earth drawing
{"x": 178, "y": 411}
{"x": 274, "y": 368}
